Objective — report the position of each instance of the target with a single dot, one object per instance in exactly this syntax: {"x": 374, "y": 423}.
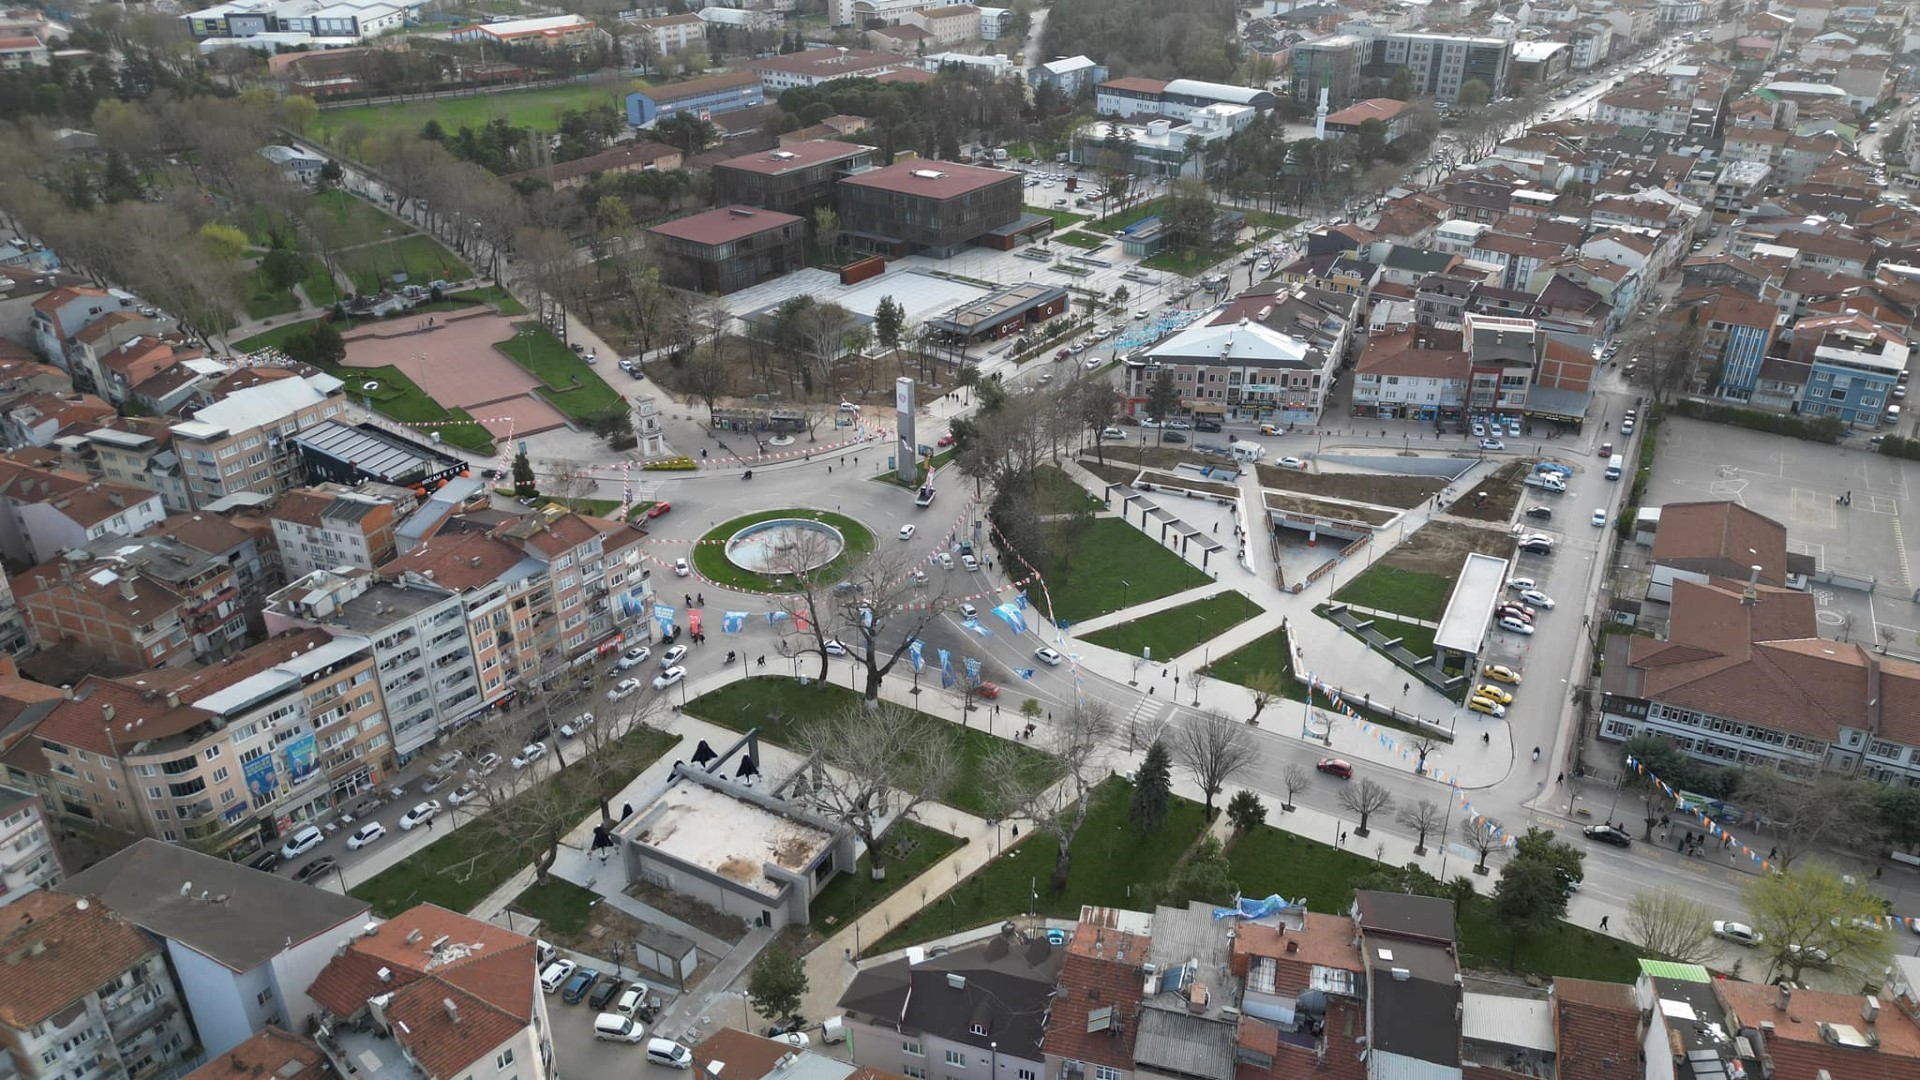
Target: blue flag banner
{"x": 1024, "y": 672}
{"x": 1010, "y": 614}
{"x": 733, "y": 622}
{"x": 663, "y": 614}
{"x": 1021, "y": 599}
{"x": 775, "y": 616}
{"x": 917, "y": 655}
{"x": 975, "y": 626}
{"x": 973, "y": 669}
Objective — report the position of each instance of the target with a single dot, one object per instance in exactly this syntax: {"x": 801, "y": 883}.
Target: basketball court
{"x": 454, "y": 361}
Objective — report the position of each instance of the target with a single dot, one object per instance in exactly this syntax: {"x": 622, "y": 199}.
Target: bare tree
{"x": 803, "y": 565}
{"x": 567, "y": 480}
{"x": 1056, "y": 799}
{"x": 1365, "y": 798}
{"x": 1267, "y": 687}
{"x": 983, "y": 681}
{"x": 1196, "y": 679}
{"x": 1215, "y": 750}
{"x": 1422, "y": 745}
{"x": 1425, "y": 819}
{"x": 884, "y": 597}
{"x": 1296, "y": 779}
{"x": 1805, "y": 814}
{"x": 1672, "y": 926}
{"x": 871, "y": 767}
{"x": 1485, "y": 837}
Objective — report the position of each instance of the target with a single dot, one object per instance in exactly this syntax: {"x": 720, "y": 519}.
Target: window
{"x": 1105, "y": 1072}
{"x": 263, "y": 997}
{"x": 978, "y": 1029}
{"x": 503, "y": 1059}
{"x": 914, "y": 1071}
{"x": 956, "y": 1059}
{"x": 912, "y": 1048}
{"x": 1028, "y": 1074}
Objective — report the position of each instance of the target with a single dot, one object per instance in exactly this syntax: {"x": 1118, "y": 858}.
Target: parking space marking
{"x": 1812, "y": 507}
{"x": 1900, "y": 552}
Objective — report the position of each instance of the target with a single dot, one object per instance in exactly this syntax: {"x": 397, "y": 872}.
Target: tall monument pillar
{"x": 646, "y": 426}
{"x": 906, "y": 452}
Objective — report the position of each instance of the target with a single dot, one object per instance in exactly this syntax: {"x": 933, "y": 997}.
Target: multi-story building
{"x": 1333, "y": 64}
{"x": 540, "y": 32}
{"x": 934, "y": 208}
{"x": 1736, "y": 336}
{"x": 729, "y": 249}
{"x": 428, "y": 680}
{"x": 815, "y": 66}
{"x": 1348, "y": 122}
{"x": 1441, "y": 63}
{"x": 286, "y": 1055}
{"x": 1416, "y": 373}
{"x": 274, "y": 23}
{"x": 137, "y": 602}
{"x": 60, "y": 316}
{"x": 704, "y": 97}
{"x": 946, "y": 25}
{"x": 328, "y": 526}
{"x": 864, "y": 13}
{"x": 1070, "y": 75}
{"x": 45, "y": 510}
{"x": 243, "y": 961}
{"x": 134, "y": 450}
{"x": 626, "y": 158}
{"x": 793, "y": 178}
{"x": 1180, "y": 99}
{"x": 35, "y": 419}
{"x": 1247, "y": 363}
{"x": 960, "y": 1015}
{"x": 1160, "y": 147}
{"x": 670, "y": 34}
{"x": 1855, "y": 364}
{"x": 32, "y": 860}
{"x": 1504, "y": 353}
{"x": 244, "y": 440}
{"x": 90, "y": 995}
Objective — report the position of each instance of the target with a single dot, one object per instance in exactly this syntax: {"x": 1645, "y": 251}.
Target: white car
{"x": 1492, "y": 444}
{"x": 968, "y": 611}
{"x": 634, "y": 657}
{"x": 906, "y": 532}
{"x": 672, "y": 656}
{"x": 484, "y": 765}
{"x": 529, "y": 754}
{"x": 623, "y": 689}
{"x": 1514, "y": 624}
{"x": 1112, "y": 434}
{"x": 833, "y": 647}
{"x": 1048, "y": 656}
{"x": 572, "y": 728}
{"x": 1738, "y": 933}
{"x": 365, "y": 834}
{"x": 420, "y": 815}
{"x": 969, "y": 562}
{"x": 465, "y": 793}
{"x": 631, "y": 999}
{"x": 557, "y": 974}
{"x": 1537, "y": 538}
{"x": 1599, "y": 519}
{"x": 302, "y": 842}
{"x": 946, "y": 560}
{"x": 1522, "y": 584}
{"x": 669, "y": 677}
{"x": 1292, "y": 463}
{"x": 1141, "y": 314}
{"x": 681, "y": 568}
{"x": 794, "y": 1038}
{"x": 1537, "y": 598}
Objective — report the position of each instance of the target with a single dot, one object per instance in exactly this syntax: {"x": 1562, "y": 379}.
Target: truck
{"x": 1548, "y": 481}
{"x": 999, "y": 154}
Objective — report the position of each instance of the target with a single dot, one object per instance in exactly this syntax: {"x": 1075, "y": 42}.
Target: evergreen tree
{"x": 1152, "y": 789}
{"x": 524, "y": 485}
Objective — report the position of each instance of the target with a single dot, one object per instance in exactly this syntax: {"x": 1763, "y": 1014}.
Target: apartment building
{"x": 672, "y": 33}
{"x": 1268, "y": 355}
{"x": 812, "y": 67}
{"x": 328, "y": 526}
{"x": 1333, "y": 64}
{"x": 1505, "y": 353}
{"x": 934, "y": 208}
{"x": 421, "y": 647}
{"x": 960, "y": 1015}
{"x": 244, "y": 440}
{"x": 26, "y": 846}
{"x": 431, "y": 994}
{"x": 794, "y": 178}
{"x": 60, "y": 315}
{"x": 243, "y": 946}
{"x": 1412, "y": 373}
{"x": 1856, "y": 362}
{"x": 87, "y": 995}
{"x": 34, "y": 419}
{"x": 947, "y": 25}
{"x": 138, "y": 602}
{"x": 132, "y": 450}
{"x": 1441, "y": 63}
{"x": 45, "y": 510}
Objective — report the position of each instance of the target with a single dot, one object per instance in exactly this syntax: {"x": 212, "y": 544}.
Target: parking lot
{"x": 1799, "y": 484}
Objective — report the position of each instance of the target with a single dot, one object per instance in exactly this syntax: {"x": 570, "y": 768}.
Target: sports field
{"x": 539, "y": 109}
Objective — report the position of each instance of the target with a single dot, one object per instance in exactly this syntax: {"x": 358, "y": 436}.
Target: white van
{"x": 1248, "y": 451}
{"x": 669, "y": 1053}
{"x": 1614, "y": 464}
{"x": 616, "y": 1028}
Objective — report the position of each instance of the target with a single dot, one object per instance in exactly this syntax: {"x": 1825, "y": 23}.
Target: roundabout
{"x": 769, "y": 551}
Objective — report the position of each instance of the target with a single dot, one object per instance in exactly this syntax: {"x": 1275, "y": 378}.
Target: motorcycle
{"x": 748, "y": 475}
{"x": 728, "y": 660}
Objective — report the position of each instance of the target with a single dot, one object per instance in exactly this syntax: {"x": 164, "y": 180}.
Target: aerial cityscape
{"x": 874, "y": 540}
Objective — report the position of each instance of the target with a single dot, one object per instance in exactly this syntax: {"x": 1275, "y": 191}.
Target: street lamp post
{"x": 1125, "y": 585}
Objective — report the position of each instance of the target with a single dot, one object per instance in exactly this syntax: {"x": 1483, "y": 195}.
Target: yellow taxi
{"x": 1488, "y": 690}
{"x": 1502, "y": 673}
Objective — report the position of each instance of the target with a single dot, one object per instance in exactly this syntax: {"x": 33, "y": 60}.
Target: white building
{"x": 290, "y": 23}
{"x": 672, "y": 33}
{"x": 244, "y": 945}
{"x": 1400, "y": 376}
{"x": 862, "y": 12}
{"x": 998, "y": 65}
{"x": 32, "y": 862}
{"x": 1162, "y": 148}
{"x": 428, "y": 680}
{"x": 294, "y": 163}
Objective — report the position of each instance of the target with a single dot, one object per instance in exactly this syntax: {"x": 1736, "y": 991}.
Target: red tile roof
{"x": 1798, "y": 1047}
{"x": 274, "y": 1052}
{"x": 137, "y": 715}
{"x": 54, "y": 952}
{"x": 932, "y": 179}
{"x": 1596, "y": 1025}
{"x": 726, "y": 225}
{"x": 1101, "y": 971}
{"x": 457, "y": 561}
{"x": 1136, "y": 84}
{"x": 1728, "y": 536}
{"x": 793, "y": 155}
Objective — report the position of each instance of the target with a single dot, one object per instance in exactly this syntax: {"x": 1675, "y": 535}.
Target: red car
{"x": 946, "y": 440}
{"x": 1334, "y": 766}
{"x": 989, "y": 691}
{"x": 658, "y": 508}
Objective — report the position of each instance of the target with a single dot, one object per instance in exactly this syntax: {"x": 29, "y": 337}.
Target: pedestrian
{"x": 1016, "y": 832}
{"x": 1773, "y": 853}
{"x": 1561, "y": 779}
{"x": 1343, "y": 838}
{"x": 1681, "y": 846}
{"x": 1406, "y": 686}
{"x": 1603, "y": 922}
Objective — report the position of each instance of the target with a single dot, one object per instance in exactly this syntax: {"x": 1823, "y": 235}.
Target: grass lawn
{"x": 1190, "y": 263}
{"x": 1111, "y": 865}
{"x": 1417, "y": 639}
{"x": 752, "y": 703}
{"x": 421, "y": 258}
{"x": 400, "y": 398}
{"x": 458, "y": 870}
{"x": 710, "y": 555}
{"x": 1054, "y": 492}
{"x": 911, "y": 849}
{"x": 1139, "y": 213}
{"x": 1085, "y": 241}
{"x": 892, "y": 476}
{"x": 1270, "y": 654}
{"x": 539, "y": 108}
{"x": 1061, "y": 218}
{"x": 274, "y": 338}
{"x": 560, "y": 905}
{"x": 361, "y": 222}
{"x": 1271, "y": 220}
{"x": 1389, "y": 588}
{"x": 572, "y": 386}
{"x": 319, "y": 284}
{"x": 1109, "y": 552}
{"x": 1270, "y": 860}
{"x": 263, "y": 301}
{"x": 1176, "y": 630}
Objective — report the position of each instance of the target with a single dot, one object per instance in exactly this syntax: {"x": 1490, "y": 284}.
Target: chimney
{"x": 453, "y": 1011}
{"x": 106, "y": 712}
{"x": 173, "y": 699}
{"x": 1870, "y": 1009}
{"x": 1785, "y": 999}
{"x": 126, "y": 589}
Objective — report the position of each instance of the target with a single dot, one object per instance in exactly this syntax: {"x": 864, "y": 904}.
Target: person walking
{"x": 1603, "y": 923}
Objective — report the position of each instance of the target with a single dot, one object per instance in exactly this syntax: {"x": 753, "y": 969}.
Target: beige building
{"x": 946, "y": 25}
{"x": 132, "y": 450}
{"x": 244, "y": 440}
{"x": 672, "y": 33}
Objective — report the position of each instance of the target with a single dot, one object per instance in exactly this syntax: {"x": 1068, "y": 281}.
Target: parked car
{"x": 557, "y": 973}
{"x": 302, "y": 842}
{"x": 365, "y": 834}
{"x": 419, "y": 815}
{"x": 1501, "y": 673}
{"x": 268, "y": 860}
{"x": 1292, "y": 463}
{"x": 1492, "y": 444}
{"x": 1537, "y": 598}
{"x": 1599, "y": 519}
{"x": 1334, "y": 766}
{"x": 623, "y": 689}
{"x": 669, "y": 677}
{"x": 1738, "y": 933}
{"x": 1515, "y": 625}
{"x": 1488, "y": 690}
{"x": 1540, "y": 513}
{"x": 608, "y": 989}
{"x": 465, "y": 793}
{"x": 969, "y": 562}
{"x": 1537, "y": 546}
{"x": 632, "y": 999}
{"x": 325, "y": 864}
{"x": 1521, "y": 584}
{"x": 1486, "y": 705}
{"x": 613, "y": 1027}
{"x": 529, "y": 754}
{"x": 485, "y": 764}
{"x": 579, "y": 984}
{"x": 1607, "y": 834}
{"x": 574, "y": 727}
{"x": 834, "y": 647}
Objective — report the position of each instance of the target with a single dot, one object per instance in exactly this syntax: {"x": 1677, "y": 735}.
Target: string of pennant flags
{"x": 1393, "y": 745}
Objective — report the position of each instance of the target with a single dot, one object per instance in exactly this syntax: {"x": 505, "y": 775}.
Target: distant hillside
{"x": 1156, "y": 39}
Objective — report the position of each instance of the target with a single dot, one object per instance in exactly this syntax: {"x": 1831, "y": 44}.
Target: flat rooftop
{"x": 726, "y": 225}
{"x": 1463, "y": 625}
{"x": 801, "y": 155}
{"x": 728, "y": 836}
{"x": 932, "y": 179}
{"x": 1000, "y": 305}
